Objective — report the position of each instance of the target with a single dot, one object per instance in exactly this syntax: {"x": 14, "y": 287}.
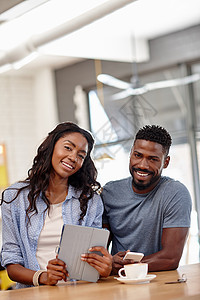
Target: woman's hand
{"x": 56, "y": 270}
{"x": 103, "y": 264}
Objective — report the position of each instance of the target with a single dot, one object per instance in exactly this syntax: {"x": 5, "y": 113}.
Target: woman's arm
{"x": 20, "y": 274}
{"x": 56, "y": 270}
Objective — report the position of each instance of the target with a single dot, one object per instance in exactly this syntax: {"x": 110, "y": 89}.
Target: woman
{"x": 60, "y": 189}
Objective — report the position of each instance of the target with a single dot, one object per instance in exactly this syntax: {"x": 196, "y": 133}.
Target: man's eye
{"x": 81, "y": 156}
{"x": 154, "y": 159}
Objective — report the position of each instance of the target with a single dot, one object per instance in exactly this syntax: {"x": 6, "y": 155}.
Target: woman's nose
{"x": 73, "y": 156}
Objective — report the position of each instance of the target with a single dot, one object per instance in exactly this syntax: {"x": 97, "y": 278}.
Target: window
{"x": 114, "y": 124}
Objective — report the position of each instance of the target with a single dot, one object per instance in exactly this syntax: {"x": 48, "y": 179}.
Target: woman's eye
{"x": 67, "y": 147}
{"x": 81, "y": 156}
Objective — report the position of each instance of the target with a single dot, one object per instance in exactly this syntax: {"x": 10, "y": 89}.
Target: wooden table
{"x": 111, "y": 289}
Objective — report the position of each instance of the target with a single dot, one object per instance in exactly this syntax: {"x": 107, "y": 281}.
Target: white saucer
{"x": 147, "y": 279}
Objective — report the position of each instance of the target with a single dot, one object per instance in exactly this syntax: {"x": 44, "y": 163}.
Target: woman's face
{"x": 69, "y": 154}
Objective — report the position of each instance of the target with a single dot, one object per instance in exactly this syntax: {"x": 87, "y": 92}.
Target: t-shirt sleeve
{"x": 103, "y": 197}
{"x": 178, "y": 206}
{"x": 104, "y": 218}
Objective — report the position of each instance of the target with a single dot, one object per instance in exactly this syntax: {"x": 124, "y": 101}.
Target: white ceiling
{"x": 111, "y": 37}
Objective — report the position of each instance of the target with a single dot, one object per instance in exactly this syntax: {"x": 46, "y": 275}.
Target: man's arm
{"x": 173, "y": 240}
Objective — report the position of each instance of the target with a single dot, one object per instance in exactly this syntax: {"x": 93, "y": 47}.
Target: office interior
{"x": 55, "y": 88}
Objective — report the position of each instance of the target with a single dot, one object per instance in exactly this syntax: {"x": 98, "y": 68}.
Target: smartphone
{"x": 136, "y": 256}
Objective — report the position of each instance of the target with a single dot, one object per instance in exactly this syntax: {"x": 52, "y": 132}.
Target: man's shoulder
{"x": 170, "y": 187}
{"x": 117, "y": 183}
{"x": 171, "y": 183}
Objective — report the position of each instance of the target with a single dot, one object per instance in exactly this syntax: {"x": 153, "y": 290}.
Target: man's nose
{"x": 143, "y": 163}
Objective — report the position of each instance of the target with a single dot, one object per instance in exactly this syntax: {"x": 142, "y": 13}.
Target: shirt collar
{"x": 73, "y": 193}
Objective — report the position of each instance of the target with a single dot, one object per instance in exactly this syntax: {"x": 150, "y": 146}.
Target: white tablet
{"x": 76, "y": 240}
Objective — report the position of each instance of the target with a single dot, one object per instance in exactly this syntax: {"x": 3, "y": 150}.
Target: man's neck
{"x": 145, "y": 190}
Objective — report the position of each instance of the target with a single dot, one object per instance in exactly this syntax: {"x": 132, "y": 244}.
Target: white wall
{"x": 27, "y": 113}
{"x": 45, "y": 103}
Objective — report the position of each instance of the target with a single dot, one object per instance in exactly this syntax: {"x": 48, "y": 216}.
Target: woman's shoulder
{"x": 13, "y": 189}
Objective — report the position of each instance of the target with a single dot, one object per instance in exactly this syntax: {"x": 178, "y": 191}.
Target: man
{"x": 147, "y": 212}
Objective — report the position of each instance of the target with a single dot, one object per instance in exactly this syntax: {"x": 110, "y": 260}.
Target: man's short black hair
{"x": 157, "y": 134}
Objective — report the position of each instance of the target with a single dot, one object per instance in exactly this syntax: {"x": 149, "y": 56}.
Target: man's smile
{"x": 142, "y": 173}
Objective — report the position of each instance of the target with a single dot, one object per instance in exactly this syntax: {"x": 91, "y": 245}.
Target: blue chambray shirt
{"x": 19, "y": 242}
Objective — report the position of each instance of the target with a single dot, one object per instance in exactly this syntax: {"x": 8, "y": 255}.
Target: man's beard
{"x": 141, "y": 185}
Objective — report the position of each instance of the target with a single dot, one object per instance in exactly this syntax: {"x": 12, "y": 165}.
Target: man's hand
{"x": 119, "y": 261}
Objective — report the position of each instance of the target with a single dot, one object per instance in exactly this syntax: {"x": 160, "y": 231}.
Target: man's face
{"x": 147, "y": 161}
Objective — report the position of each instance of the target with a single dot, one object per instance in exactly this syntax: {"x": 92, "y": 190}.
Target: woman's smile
{"x": 67, "y": 165}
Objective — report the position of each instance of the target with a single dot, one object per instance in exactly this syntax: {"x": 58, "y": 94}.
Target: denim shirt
{"x": 19, "y": 240}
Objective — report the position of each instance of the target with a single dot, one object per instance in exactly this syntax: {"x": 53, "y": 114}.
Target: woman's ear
{"x": 166, "y": 163}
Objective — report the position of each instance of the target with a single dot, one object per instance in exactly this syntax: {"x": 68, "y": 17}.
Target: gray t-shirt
{"x": 137, "y": 220}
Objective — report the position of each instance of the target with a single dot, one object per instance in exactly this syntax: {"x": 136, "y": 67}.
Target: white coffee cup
{"x": 134, "y": 271}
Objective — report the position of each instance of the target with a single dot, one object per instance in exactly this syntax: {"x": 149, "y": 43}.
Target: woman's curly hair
{"x": 39, "y": 174}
